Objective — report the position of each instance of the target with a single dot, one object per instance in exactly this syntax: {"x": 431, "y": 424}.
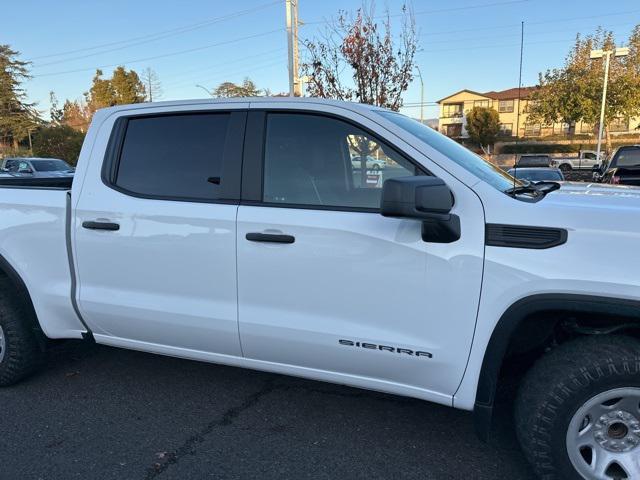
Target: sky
{"x": 473, "y": 44}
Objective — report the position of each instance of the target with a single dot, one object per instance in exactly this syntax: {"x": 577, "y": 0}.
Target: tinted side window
{"x": 321, "y": 161}
{"x": 11, "y": 165}
{"x": 173, "y": 155}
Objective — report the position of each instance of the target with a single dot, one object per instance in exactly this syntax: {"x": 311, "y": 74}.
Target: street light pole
{"x": 618, "y": 52}
{"x": 421, "y": 95}
{"x": 205, "y": 89}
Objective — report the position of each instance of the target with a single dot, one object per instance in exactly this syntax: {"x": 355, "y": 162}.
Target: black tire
{"x": 22, "y": 355}
{"x": 558, "y": 385}
{"x": 565, "y": 168}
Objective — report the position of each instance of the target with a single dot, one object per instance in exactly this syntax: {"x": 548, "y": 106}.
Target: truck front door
{"x": 327, "y": 284}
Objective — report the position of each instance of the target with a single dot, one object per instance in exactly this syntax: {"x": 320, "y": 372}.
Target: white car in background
{"x": 372, "y": 163}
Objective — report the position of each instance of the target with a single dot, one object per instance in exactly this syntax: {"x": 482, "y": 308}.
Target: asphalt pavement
{"x": 105, "y": 413}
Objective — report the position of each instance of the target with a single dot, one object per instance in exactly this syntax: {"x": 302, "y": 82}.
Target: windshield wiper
{"x": 539, "y": 188}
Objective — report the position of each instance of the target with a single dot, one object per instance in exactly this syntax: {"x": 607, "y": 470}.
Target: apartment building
{"x": 513, "y": 115}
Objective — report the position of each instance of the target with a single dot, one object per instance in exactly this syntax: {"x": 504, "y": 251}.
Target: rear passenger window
{"x": 173, "y": 156}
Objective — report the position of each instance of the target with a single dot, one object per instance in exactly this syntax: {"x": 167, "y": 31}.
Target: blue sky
{"x": 471, "y": 44}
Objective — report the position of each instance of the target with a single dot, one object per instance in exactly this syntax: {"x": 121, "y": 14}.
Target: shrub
{"x": 59, "y": 141}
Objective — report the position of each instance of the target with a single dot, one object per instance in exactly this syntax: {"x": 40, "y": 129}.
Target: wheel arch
{"x": 513, "y": 317}
{"x": 24, "y": 297}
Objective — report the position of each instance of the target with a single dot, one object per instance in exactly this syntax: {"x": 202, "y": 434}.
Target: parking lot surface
{"x": 104, "y": 413}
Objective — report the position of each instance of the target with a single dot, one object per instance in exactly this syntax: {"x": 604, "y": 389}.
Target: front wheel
{"x": 578, "y": 410}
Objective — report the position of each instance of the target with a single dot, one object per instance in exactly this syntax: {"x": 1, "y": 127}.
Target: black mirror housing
{"x": 422, "y": 198}
{"x": 419, "y": 197}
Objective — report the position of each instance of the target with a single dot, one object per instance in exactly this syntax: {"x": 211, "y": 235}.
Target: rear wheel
{"x": 565, "y": 167}
{"x": 20, "y": 354}
{"x": 578, "y": 410}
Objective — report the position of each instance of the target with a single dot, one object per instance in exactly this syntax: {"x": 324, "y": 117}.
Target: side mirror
{"x": 422, "y": 198}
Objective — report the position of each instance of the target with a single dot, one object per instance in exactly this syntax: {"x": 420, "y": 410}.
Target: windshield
{"x": 468, "y": 160}
{"x": 629, "y": 157}
{"x": 50, "y": 165}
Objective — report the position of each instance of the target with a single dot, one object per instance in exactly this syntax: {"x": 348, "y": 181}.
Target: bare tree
{"x": 379, "y": 65}
{"x": 151, "y": 84}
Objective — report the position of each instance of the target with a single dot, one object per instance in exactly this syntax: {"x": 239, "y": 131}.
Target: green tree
{"x": 573, "y": 92}
{"x": 77, "y": 115}
{"x": 124, "y": 87}
{"x": 229, "y": 89}
{"x": 58, "y": 141}
{"x": 17, "y": 116}
{"x": 483, "y": 126}
{"x": 358, "y": 59}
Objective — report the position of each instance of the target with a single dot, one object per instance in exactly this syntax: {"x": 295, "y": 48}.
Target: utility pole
{"x": 520, "y": 81}
{"x": 618, "y": 52}
{"x": 291, "y": 6}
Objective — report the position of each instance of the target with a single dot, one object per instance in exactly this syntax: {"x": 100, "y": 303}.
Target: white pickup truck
{"x": 241, "y": 232}
{"x": 585, "y": 160}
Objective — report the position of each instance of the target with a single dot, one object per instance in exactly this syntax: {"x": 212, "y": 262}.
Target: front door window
{"x": 323, "y": 162}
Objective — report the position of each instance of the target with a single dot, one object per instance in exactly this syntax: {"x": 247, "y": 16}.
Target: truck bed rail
{"x": 62, "y": 183}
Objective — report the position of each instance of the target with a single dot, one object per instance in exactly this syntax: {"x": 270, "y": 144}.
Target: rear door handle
{"x": 270, "y": 237}
{"x": 101, "y": 226}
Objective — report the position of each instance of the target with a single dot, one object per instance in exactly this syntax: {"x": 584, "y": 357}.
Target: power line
{"x": 513, "y": 35}
{"x": 540, "y": 22}
{"x": 501, "y": 45}
{"x": 227, "y": 73}
{"x": 440, "y": 10}
{"x": 181, "y": 52}
{"x": 159, "y": 35}
{"x": 184, "y": 74}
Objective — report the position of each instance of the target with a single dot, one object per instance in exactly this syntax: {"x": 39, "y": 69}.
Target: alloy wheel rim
{"x": 603, "y": 439}
{"x": 3, "y": 344}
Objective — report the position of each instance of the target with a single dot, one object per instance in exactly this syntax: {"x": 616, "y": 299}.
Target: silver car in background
{"x": 36, "y": 167}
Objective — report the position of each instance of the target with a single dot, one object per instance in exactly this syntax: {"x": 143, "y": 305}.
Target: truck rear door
{"x": 155, "y": 230}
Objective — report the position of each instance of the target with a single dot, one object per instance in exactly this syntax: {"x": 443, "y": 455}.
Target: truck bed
{"x": 25, "y": 182}
{"x": 33, "y": 242}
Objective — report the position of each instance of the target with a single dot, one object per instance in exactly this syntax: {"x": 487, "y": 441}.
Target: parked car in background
{"x": 37, "y": 167}
{"x": 539, "y": 174}
{"x": 623, "y": 168}
{"x": 372, "y": 163}
{"x": 533, "y": 160}
{"x": 585, "y": 160}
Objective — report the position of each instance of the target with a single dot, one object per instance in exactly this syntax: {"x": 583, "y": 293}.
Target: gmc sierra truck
{"x": 244, "y": 232}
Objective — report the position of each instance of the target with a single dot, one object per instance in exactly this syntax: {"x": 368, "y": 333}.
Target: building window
{"x": 481, "y": 103}
{"x": 532, "y": 130}
{"x": 452, "y": 110}
{"x": 619, "y": 124}
{"x": 505, "y": 106}
{"x": 453, "y": 130}
{"x": 506, "y": 129}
